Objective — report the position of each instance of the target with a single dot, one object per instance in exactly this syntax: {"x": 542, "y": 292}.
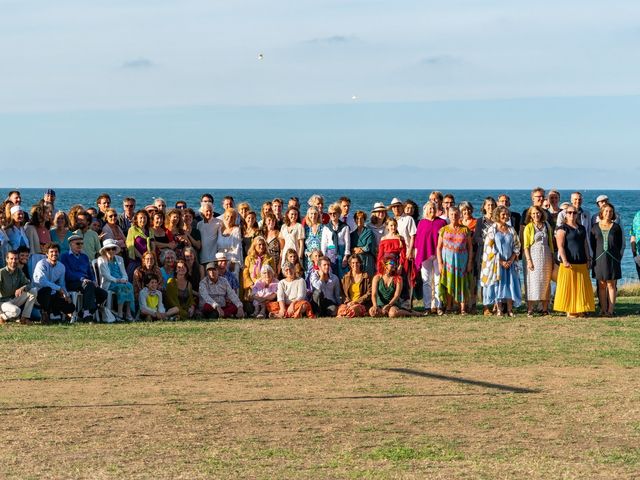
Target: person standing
{"x": 607, "y": 244}
{"x": 455, "y": 262}
{"x": 538, "y": 258}
{"x": 634, "y": 240}
{"x": 574, "y": 294}
{"x": 91, "y": 246}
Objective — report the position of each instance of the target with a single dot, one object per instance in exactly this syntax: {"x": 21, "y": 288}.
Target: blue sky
{"x": 473, "y": 93}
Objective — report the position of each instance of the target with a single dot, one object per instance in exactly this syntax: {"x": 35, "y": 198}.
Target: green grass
{"x": 619, "y": 456}
{"x": 324, "y": 398}
{"x": 435, "y": 451}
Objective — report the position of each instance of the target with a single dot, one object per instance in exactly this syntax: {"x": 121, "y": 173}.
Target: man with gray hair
{"x": 317, "y": 201}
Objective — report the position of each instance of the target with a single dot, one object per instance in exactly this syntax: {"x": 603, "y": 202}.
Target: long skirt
{"x": 123, "y": 292}
{"x": 574, "y": 293}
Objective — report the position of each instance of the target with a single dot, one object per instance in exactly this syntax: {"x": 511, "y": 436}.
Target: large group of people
{"x": 293, "y": 260}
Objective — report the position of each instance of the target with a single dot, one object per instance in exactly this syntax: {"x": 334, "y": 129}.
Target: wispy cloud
{"x": 332, "y": 40}
{"x": 437, "y": 60}
{"x": 138, "y": 63}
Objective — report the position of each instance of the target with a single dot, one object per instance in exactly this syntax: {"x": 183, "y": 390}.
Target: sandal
{"x": 487, "y": 312}
{"x": 511, "y": 314}
{"x": 545, "y": 313}
{"x": 530, "y": 314}
{"x": 440, "y": 312}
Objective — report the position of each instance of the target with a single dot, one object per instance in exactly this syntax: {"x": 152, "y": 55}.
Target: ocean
{"x": 627, "y": 202}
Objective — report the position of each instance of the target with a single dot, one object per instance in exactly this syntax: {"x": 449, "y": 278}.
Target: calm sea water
{"x": 627, "y": 202}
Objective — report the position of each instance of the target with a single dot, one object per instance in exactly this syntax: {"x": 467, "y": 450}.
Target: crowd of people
{"x": 293, "y": 260}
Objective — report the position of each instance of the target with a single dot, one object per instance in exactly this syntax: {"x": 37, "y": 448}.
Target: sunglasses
{"x": 572, "y": 213}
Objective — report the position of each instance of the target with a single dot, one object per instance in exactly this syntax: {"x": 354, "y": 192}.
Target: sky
{"x": 331, "y": 94}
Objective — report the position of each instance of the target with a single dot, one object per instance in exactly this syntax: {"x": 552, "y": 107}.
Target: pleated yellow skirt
{"x": 574, "y": 293}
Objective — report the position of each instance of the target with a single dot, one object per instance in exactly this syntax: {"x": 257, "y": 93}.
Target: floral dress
{"x": 454, "y": 279}
{"x": 312, "y": 241}
{"x": 499, "y": 283}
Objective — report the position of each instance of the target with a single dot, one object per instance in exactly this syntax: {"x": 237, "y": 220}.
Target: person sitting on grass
{"x": 356, "y": 290}
{"x": 385, "y": 291}
{"x": 292, "y": 296}
{"x": 150, "y": 300}
{"x": 180, "y": 293}
{"x": 326, "y": 290}
{"x": 217, "y": 298}
{"x": 264, "y": 290}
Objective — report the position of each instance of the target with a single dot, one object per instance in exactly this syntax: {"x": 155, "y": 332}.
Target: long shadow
{"x": 465, "y": 381}
{"x": 185, "y": 404}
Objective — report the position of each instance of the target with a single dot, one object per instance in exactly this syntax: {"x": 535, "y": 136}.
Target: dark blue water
{"x": 627, "y": 202}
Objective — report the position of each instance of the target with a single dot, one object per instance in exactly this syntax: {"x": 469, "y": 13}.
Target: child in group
{"x": 264, "y": 290}
{"x": 150, "y": 298}
{"x": 312, "y": 266}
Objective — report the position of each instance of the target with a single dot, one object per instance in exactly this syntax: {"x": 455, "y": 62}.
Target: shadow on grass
{"x": 184, "y": 403}
{"x": 466, "y": 381}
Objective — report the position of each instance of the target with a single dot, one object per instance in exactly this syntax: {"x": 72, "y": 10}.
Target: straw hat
{"x": 395, "y": 202}
{"x": 379, "y": 207}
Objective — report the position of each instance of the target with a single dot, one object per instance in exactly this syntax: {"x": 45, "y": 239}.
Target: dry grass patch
{"x": 446, "y": 397}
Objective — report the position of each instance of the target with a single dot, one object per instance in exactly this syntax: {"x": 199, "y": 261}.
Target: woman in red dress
{"x": 392, "y": 242}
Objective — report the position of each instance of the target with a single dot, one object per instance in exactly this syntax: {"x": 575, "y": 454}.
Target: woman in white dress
{"x": 292, "y": 232}
{"x": 538, "y": 252}
{"x": 230, "y": 241}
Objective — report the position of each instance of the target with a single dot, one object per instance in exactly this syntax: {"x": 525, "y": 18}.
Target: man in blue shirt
{"x": 79, "y": 277}
{"x": 326, "y": 290}
{"x": 48, "y": 277}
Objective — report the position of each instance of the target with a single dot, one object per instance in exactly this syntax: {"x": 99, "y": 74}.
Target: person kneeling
{"x": 326, "y": 290}
{"x": 150, "y": 300}
{"x": 217, "y": 298}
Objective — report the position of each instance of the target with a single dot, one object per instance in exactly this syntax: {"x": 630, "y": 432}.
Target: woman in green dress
{"x": 385, "y": 291}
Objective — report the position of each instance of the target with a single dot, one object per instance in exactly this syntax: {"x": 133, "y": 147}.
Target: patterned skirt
{"x": 538, "y": 281}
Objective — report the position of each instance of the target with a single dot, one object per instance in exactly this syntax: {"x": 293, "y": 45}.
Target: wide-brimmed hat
{"x": 395, "y": 202}
{"x": 110, "y": 243}
{"x": 601, "y": 198}
{"x": 220, "y": 256}
{"x": 379, "y": 207}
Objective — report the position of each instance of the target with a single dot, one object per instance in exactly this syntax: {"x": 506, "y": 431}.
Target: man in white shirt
{"x": 406, "y": 225}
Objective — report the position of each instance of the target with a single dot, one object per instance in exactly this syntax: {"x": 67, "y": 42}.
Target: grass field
{"x": 437, "y": 397}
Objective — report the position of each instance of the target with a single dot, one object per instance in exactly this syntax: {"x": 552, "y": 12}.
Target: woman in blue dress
{"x": 500, "y": 276}
{"x": 312, "y": 234}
